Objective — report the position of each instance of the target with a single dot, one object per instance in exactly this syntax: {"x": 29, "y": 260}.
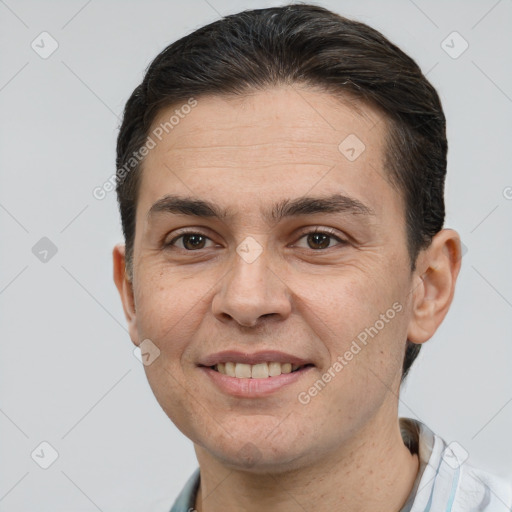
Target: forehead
{"x": 287, "y": 140}
{"x": 304, "y": 117}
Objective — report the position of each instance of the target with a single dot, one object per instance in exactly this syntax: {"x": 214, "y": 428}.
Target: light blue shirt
{"x": 445, "y": 481}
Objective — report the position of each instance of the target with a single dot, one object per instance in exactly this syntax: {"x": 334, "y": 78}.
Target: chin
{"x": 258, "y": 457}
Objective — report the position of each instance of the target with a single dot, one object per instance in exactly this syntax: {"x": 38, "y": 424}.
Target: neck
{"x": 376, "y": 472}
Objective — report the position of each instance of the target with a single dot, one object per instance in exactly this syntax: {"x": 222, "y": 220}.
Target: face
{"x": 257, "y": 278}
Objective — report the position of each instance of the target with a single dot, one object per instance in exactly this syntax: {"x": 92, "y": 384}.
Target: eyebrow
{"x": 336, "y": 203}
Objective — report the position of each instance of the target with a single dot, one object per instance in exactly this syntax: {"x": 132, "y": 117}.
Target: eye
{"x": 318, "y": 239}
{"x": 192, "y": 241}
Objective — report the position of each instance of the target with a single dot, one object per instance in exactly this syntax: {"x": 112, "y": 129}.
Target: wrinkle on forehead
{"x": 235, "y": 133}
{"x": 314, "y": 116}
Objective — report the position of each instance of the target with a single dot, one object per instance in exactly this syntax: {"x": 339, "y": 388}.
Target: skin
{"x": 342, "y": 450}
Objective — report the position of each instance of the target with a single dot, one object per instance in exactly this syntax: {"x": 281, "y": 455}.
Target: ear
{"x": 434, "y": 284}
{"x": 125, "y": 289}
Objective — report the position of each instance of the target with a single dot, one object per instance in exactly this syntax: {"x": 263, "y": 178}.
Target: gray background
{"x": 68, "y": 375}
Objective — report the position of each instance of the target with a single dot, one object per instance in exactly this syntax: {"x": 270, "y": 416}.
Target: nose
{"x": 251, "y": 291}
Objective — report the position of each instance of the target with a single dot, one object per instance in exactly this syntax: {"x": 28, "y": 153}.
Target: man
{"x": 280, "y": 181}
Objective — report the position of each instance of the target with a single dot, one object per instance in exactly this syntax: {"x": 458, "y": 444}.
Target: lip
{"x": 253, "y": 388}
{"x": 265, "y": 356}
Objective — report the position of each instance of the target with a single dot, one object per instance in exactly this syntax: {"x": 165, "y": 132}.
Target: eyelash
{"x": 321, "y": 231}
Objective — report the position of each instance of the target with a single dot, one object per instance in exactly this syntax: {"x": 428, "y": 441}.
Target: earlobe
{"x": 125, "y": 289}
{"x": 434, "y": 285}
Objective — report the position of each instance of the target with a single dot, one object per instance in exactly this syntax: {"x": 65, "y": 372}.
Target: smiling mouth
{"x": 256, "y": 371}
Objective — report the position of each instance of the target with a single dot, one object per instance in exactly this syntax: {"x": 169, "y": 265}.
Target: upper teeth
{"x": 255, "y": 371}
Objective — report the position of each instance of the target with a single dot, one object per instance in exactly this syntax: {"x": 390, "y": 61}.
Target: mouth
{"x": 251, "y": 381}
{"x": 262, "y": 370}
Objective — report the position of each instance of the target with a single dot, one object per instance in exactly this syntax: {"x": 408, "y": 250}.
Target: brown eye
{"x": 321, "y": 239}
{"x": 194, "y": 241}
{"x": 190, "y": 241}
{"x": 318, "y": 240}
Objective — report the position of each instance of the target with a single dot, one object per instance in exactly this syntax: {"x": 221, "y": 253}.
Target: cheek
{"x": 344, "y": 300}
{"x": 167, "y": 307}
{"x": 173, "y": 393}
{"x": 360, "y": 319}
